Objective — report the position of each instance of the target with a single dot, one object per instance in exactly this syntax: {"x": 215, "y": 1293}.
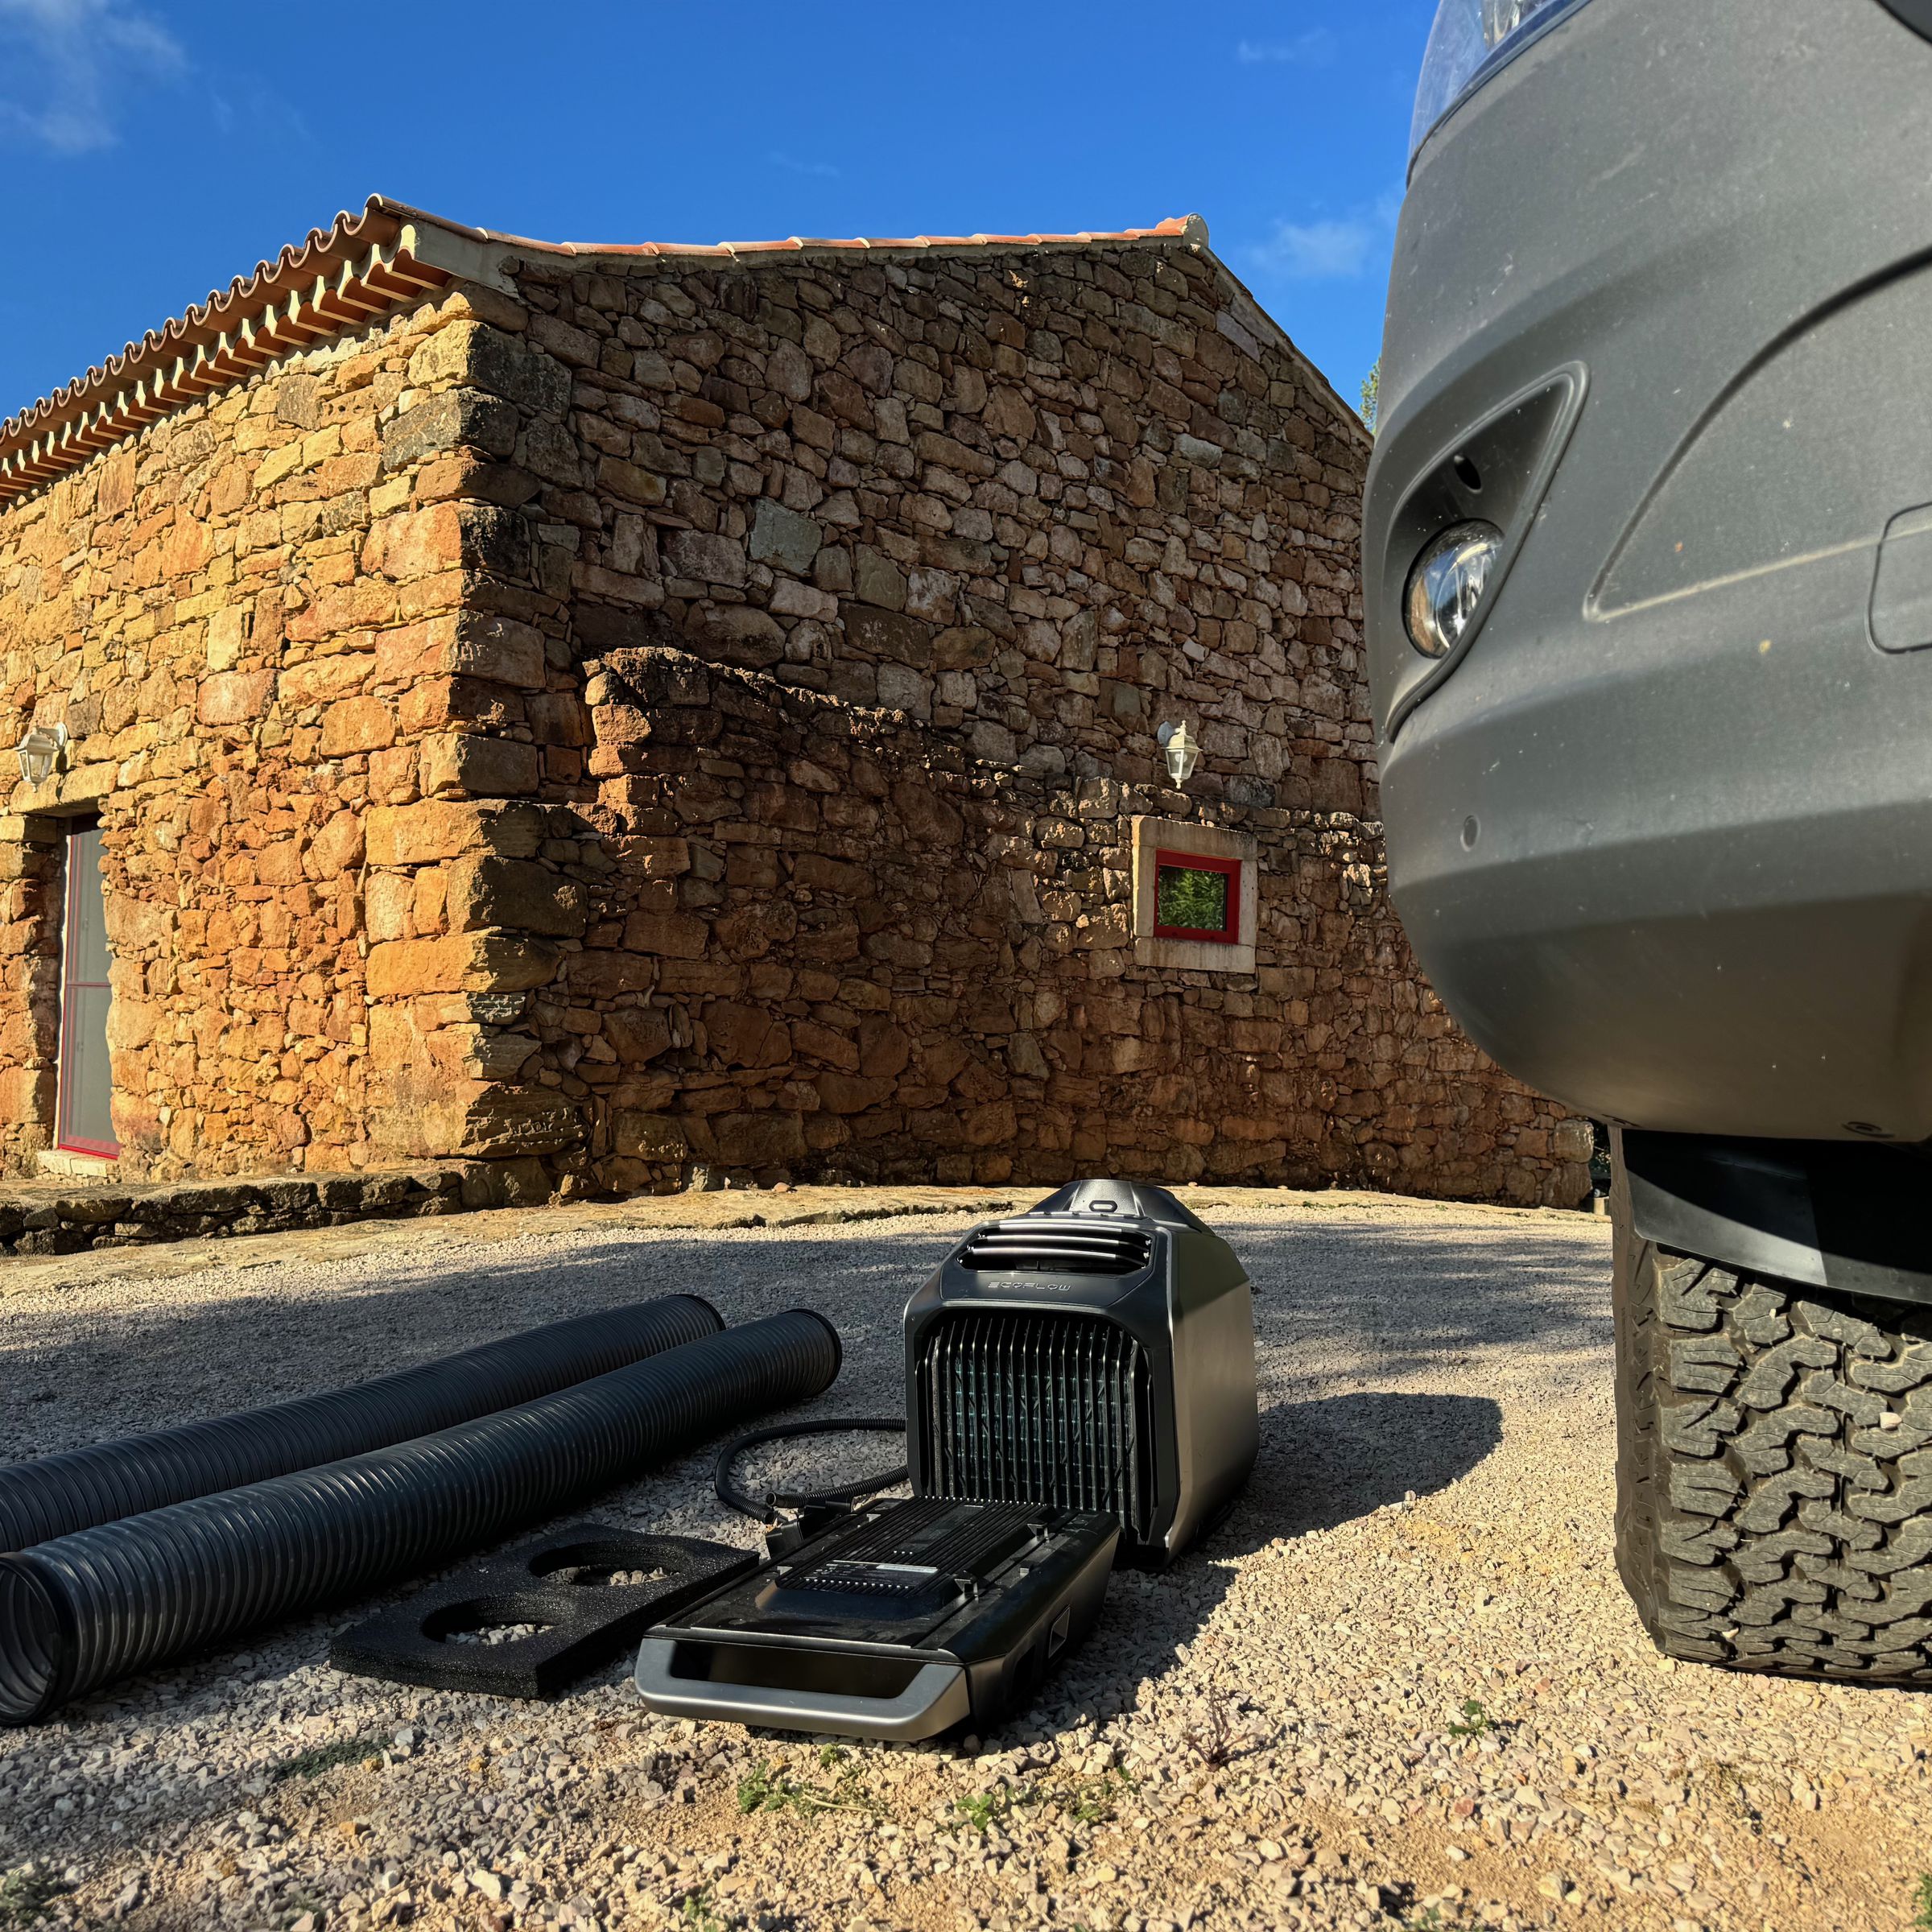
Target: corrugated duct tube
{"x": 57, "y": 1495}
{"x": 82, "y": 1610}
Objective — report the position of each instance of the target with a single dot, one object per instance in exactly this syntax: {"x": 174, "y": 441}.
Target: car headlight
{"x": 1447, "y": 586}
{"x": 1469, "y": 41}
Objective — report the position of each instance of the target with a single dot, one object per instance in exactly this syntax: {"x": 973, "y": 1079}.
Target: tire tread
{"x": 1767, "y": 1517}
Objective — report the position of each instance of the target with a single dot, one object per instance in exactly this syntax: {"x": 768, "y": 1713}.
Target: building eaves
{"x": 363, "y": 265}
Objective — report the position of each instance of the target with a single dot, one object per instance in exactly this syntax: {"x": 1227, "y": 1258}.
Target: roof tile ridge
{"x": 1173, "y": 227}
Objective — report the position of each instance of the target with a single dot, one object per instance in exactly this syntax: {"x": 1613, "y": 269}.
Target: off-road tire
{"x": 1769, "y": 1515}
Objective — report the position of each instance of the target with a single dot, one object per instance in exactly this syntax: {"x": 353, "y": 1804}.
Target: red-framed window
{"x": 1197, "y": 897}
{"x": 85, "y": 1121}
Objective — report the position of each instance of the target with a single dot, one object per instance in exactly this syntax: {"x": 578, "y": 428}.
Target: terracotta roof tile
{"x": 358, "y": 266}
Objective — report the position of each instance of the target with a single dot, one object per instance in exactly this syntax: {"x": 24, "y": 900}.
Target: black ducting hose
{"x": 766, "y": 1508}
{"x": 84, "y": 1609}
{"x": 57, "y": 1495}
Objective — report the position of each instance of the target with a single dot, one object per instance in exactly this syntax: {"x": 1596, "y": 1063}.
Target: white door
{"x": 86, "y": 1121}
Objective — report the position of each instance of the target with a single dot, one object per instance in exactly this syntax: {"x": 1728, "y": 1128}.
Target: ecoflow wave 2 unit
{"x": 1080, "y": 1389}
{"x": 1094, "y": 1353}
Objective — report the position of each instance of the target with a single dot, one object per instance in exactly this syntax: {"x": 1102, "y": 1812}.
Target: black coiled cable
{"x": 766, "y": 1507}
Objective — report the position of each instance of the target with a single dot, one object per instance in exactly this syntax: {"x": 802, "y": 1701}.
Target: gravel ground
{"x": 1399, "y": 1686}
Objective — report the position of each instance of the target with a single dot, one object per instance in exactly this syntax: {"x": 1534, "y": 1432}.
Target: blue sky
{"x": 154, "y": 148}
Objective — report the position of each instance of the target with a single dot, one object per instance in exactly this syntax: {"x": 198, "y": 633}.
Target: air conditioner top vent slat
{"x": 1037, "y": 1245}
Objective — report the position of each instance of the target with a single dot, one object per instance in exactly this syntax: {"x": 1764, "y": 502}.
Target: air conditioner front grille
{"x": 1017, "y": 1406}
{"x": 1037, "y": 1244}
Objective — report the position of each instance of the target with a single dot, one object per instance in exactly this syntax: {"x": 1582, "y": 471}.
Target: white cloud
{"x": 1316, "y": 251}
{"x": 1334, "y": 249}
{"x": 1310, "y": 49}
{"x": 792, "y": 165}
{"x": 242, "y": 106}
{"x": 65, "y": 63}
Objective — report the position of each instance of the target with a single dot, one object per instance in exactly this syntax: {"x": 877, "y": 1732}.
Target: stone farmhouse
{"x": 609, "y": 712}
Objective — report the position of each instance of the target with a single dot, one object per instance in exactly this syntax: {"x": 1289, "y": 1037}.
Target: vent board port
{"x": 1037, "y": 1245}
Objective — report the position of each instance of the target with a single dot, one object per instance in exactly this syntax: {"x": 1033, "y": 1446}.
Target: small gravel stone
{"x": 1400, "y": 1680}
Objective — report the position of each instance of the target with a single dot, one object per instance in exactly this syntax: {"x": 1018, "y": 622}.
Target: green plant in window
{"x": 1197, "y": 899}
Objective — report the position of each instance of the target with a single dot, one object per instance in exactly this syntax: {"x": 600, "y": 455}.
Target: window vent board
{"x": 1194, "y": 897}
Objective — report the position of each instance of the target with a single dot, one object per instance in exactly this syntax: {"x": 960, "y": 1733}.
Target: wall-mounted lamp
{"x": 1182, "y": 752}
{"x": 42, "y": 752}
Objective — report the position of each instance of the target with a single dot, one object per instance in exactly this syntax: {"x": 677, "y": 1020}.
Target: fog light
{"x": 1447, "y": 586}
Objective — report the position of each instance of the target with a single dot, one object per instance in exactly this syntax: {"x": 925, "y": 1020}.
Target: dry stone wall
{"x": 830, "y": 946}
{"x": 39, "y": 1218}
{"x": 255, "y": 620}
{"x": 632, "y": 714}
{"x": 882, "y": 575}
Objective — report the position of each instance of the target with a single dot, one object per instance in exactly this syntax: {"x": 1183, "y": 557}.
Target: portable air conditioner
{"x": 1096, "y": 1354}
{"x": 1080, "y": 1389}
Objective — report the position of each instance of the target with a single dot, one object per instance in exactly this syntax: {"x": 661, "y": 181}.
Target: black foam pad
{"x": 557, "y": 1583}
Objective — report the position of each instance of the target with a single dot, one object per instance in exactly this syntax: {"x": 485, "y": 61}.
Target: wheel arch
{"x": 1847, "y": 1216}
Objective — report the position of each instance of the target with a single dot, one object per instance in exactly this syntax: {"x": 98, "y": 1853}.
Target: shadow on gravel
{"x": 158, "y": 1362}
{"x": 1402, "y": 1298}
{"x": 1321, "y": 1463}
{"x": 1324, "y": 1463}
{"x": 1393, "y": 1298}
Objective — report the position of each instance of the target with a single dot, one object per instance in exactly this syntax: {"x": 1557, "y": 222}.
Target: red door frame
{"x": 65, "y": 1141}
{"x": 1230, "y": 935}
